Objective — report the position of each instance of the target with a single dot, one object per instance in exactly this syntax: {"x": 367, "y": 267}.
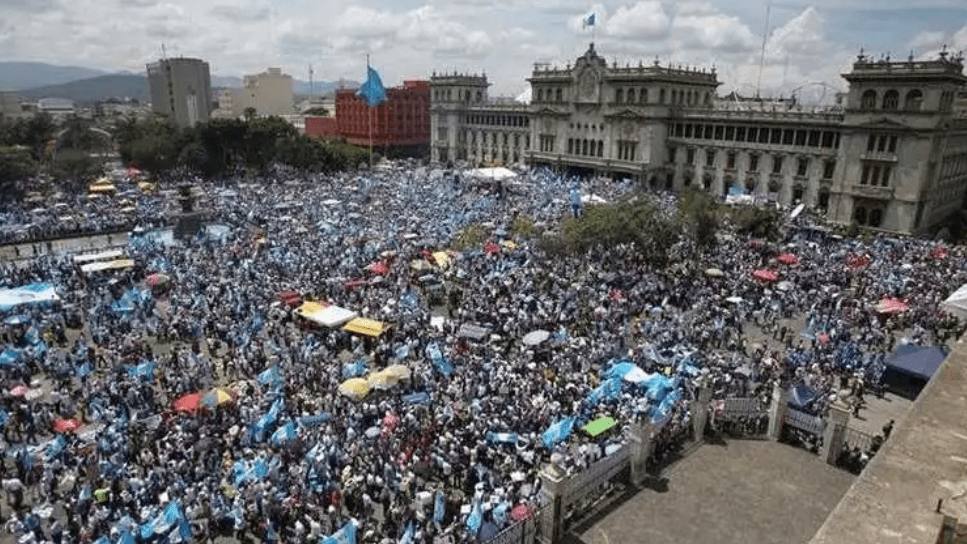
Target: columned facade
{"x": 893, "y": 158}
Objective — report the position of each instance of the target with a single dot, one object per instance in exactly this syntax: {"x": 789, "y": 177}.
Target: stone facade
{"x": 891, "y": 156}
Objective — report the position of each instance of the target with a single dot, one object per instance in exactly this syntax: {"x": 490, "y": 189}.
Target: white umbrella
{"x": 535, "y": 337}
{"x": 784, "y": 285}
{"x": 734, "y": 300}
{"x": 714, "y": 273}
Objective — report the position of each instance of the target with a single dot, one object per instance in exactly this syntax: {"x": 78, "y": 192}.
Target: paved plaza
{"x": 748, "y": 492}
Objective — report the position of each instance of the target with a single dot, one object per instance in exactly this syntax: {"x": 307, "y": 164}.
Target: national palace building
{"x": 893, "y": 156}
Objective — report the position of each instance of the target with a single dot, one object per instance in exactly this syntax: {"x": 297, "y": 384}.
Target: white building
{"x": 270, "y": 93}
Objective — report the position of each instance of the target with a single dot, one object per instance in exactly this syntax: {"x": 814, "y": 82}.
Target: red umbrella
{"x": 66, "y": 425}
{"x": 765, "y": 275}
{"x": 286, "y": 295}
{"x": 188, "y": 403}
{"x": 155, "y": 280}
{"x": 788, "y": 258}
{"x": 521, "y": 512}
{"x": 892, "y": 306}
{"x": 490, "y": 248}
{"x": 354, "y": 283}
{"x": 939, "y": 253}
{"x": 378, "y": 268}
{"x": 857, "y": 261}
{"x": 19, "y": 391}
{"x": 822, "y": 337}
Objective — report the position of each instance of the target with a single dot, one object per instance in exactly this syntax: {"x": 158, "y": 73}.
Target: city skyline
{"x": 807, "y": 42}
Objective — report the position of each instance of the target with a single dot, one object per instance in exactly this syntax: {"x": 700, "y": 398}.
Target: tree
{"x": 250, "y": 113}
{"x": 637, "y": 222}
{"x": 317, "y": 111}
{"x": 699, "y": 211}
{"x": 16, "y": 165}
{"x": 76, "y": 167}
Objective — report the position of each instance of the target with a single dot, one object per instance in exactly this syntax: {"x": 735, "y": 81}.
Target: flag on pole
{"x": 588, "y": 20}
{"x": 372, "y": 90}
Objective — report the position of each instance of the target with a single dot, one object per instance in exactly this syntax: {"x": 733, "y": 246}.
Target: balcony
{"x": 882, "y": 156}
{"x": 872, "y": 191}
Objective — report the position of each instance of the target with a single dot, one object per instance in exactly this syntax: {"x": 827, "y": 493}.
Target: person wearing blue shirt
{"x": 575, "y": 201}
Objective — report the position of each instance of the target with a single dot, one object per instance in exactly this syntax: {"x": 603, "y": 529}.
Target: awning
{"x": 598, "y": 426}
{"x": 473, "y": 332}
{"x": 327, "y": 316}
{"x": 100, "y": 256}
{"x": 117, "y": 264}
{"x": 956, "y": 303}
{"x": 918, "y": 362}
{"x": 366, "y": 327}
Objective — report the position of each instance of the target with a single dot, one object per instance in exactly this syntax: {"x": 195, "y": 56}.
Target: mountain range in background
{"x": 34, "y": 80}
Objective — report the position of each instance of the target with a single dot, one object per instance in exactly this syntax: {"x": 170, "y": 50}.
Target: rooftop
{"x": 923, "y": 462}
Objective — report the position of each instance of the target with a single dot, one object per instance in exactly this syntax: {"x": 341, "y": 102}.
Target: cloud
{"x": 698, "y": 26}
{"x": 643, "y": 20}
{"x": 927, "y": 40}
{"x": 803, "y": 35}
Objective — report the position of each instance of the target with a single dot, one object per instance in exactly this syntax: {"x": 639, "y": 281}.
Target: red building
{"x": 399, "y": 126}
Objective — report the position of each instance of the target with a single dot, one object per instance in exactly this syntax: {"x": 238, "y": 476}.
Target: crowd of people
{"x": 203, "y": 404}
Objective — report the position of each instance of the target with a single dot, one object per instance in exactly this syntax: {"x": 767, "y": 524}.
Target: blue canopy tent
{"x": 801, "y": 396}
{"x": 910, "y": 367}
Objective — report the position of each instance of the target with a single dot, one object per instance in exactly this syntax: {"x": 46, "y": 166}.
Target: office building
{"x": 181, "y": 90}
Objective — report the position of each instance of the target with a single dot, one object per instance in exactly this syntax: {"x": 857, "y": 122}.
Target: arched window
{"x": 619, "y": 96}
{"x": 661, "y": 96}
{"x": 891, "y": 100}
{"x": 600, "y": 148}
{"x": 868, "y": 101}
{"x": 859, "y": 215}
{"x": 540, "y": 95}
{"x": 876, "y": 217}
{"x": 750, "y": 186}
{"x": 643, "y": 96}
{"x": 631, "y": 96}
{"x": 687, "y": 181}
{"x": 584, "y": 147}
{"x": 707, "y": 182}
{"x": 797, "y": 193}
{"x": 914, "y": 100}
{"x": 560, "y": 95}
{"x": 773, "y": 186}
{"x": 479, "y": 96}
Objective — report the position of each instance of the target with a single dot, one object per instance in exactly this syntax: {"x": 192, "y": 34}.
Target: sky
{"x": 807, "y": 45}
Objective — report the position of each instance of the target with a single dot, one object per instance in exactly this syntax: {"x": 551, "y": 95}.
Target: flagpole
{"x": 370, "y": 110}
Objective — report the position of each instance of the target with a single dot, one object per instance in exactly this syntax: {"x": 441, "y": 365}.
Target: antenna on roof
{"x": 164, "y": 54}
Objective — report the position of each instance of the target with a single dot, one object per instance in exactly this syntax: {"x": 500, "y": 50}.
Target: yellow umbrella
{"x": 221, "y": 396}
{"x": 402, "y": 372}
{"x": 509, "y": 244}
{"x": 354, "y": 388}
{"x": 442, "y": 259}
{"x": 382, "y": 380}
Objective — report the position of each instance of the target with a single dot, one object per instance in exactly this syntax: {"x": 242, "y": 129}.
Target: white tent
{"x": 498, "y": 174}
{"x": 956, "y": 303}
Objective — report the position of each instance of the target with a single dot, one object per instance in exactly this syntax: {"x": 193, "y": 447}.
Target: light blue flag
{"x": 588, "y": 20}
{"x": 475, "y": 519}
{"x": 502, "y": 438}
{"x": 439, "y": 508}
{"x": 284, "y": 434}
{"x": 558, "y": 432}
{"x": 345, "y": 535}
{"x": 372, "y": 90}
{"x": 409, "y": 534}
